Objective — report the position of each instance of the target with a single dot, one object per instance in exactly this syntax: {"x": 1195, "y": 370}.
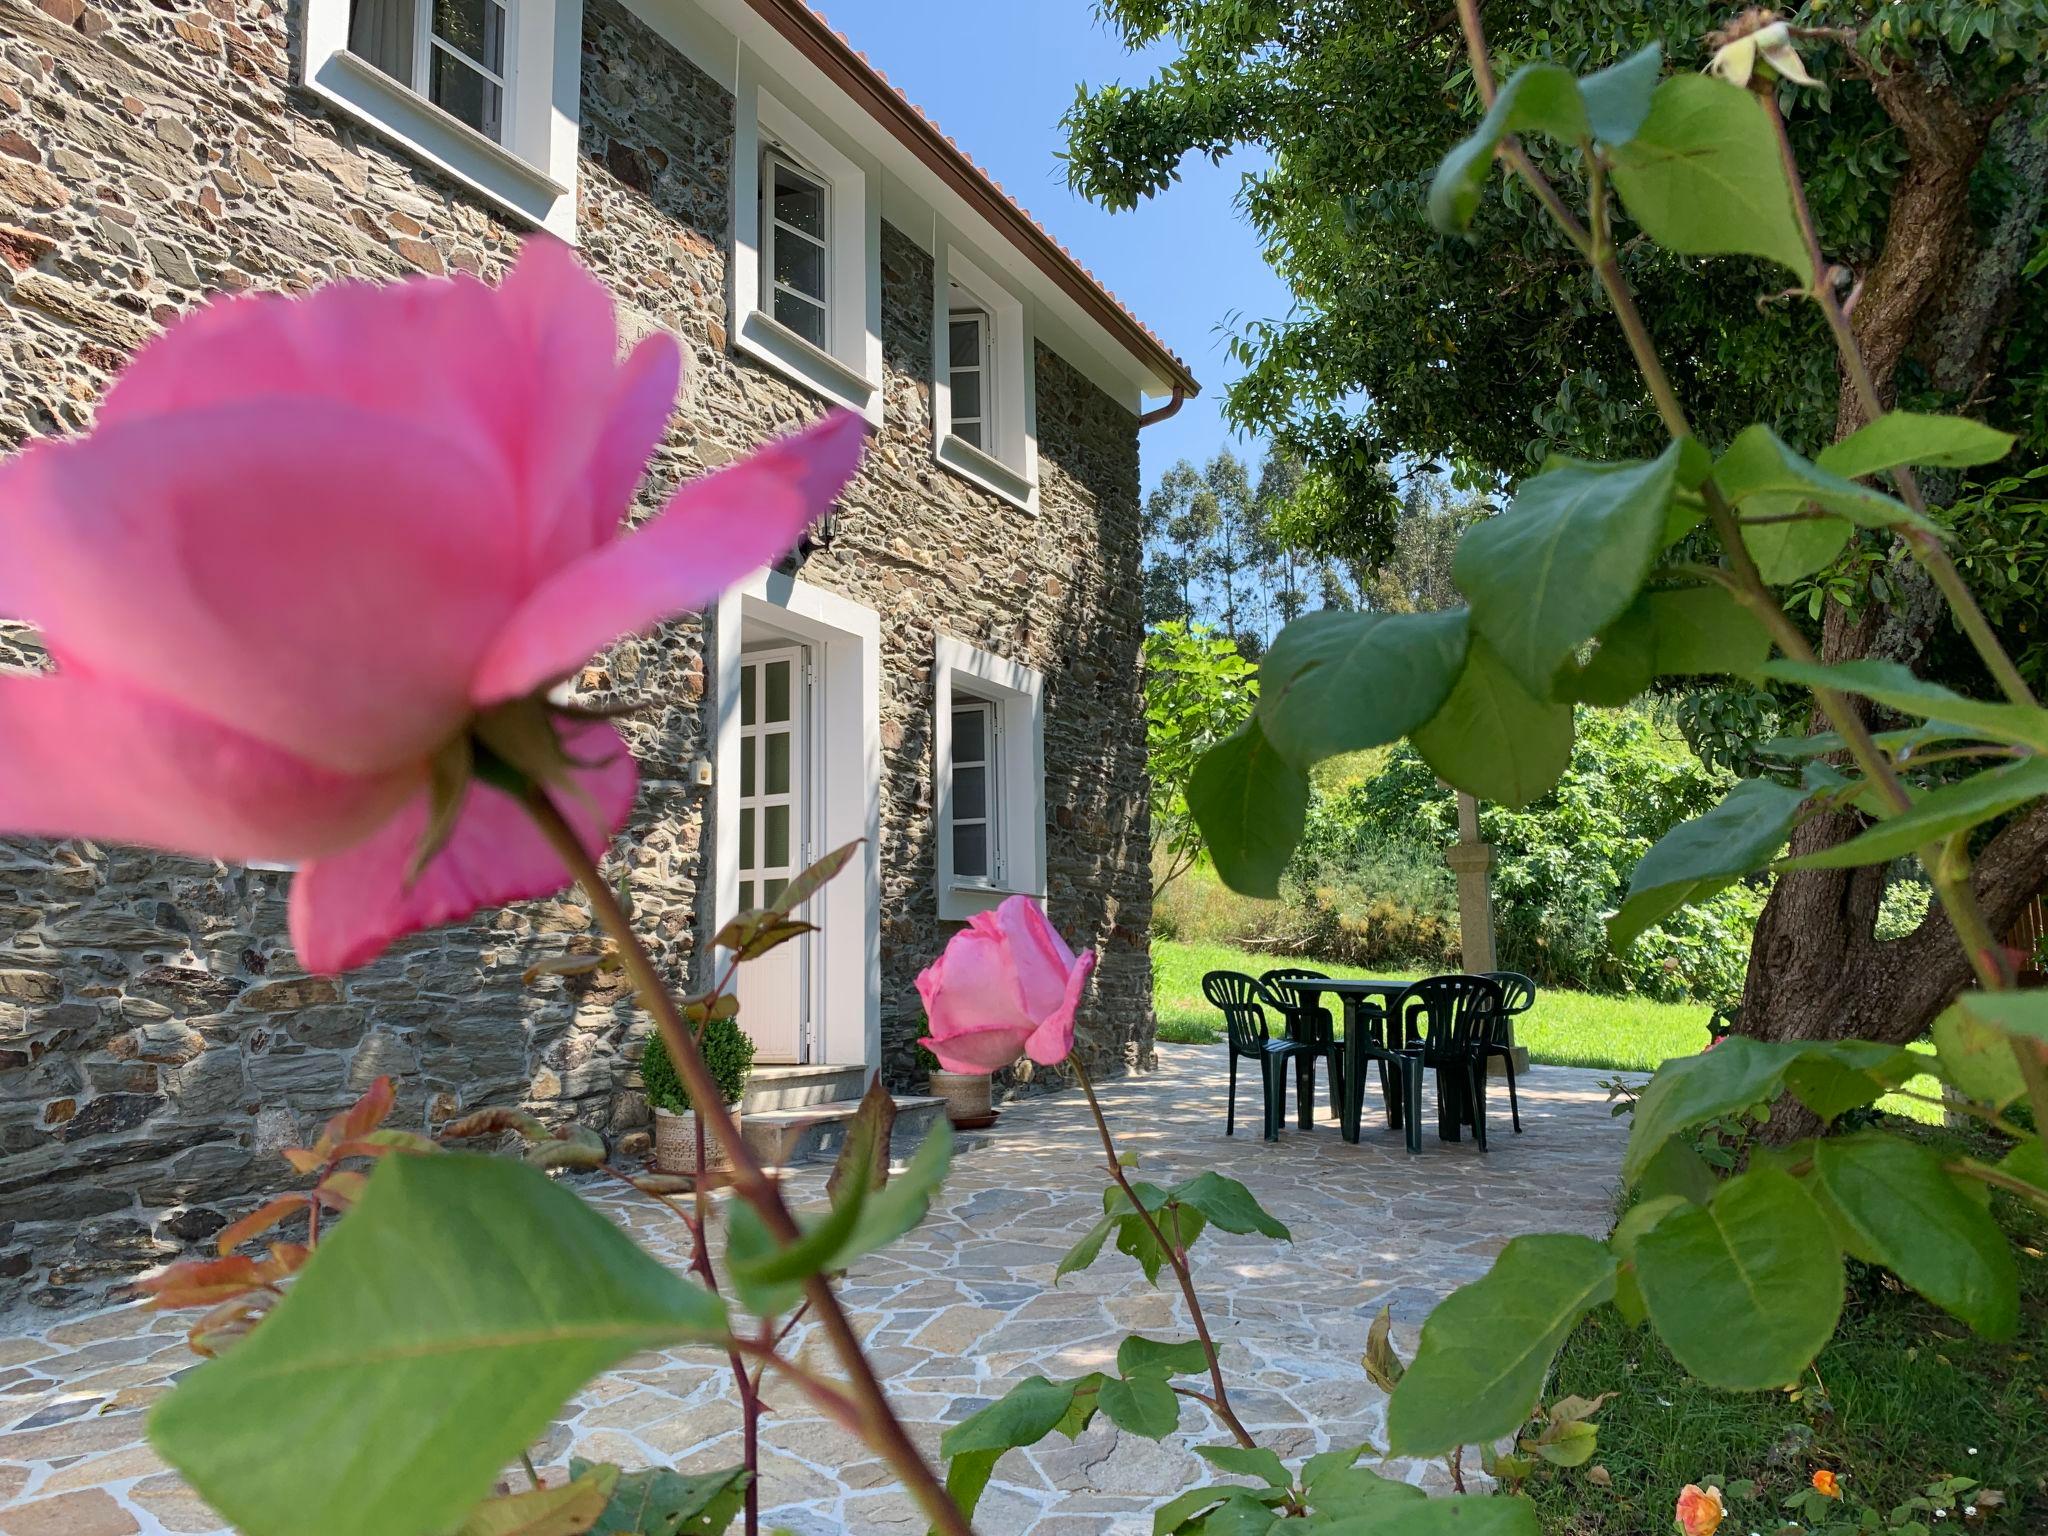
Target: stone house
{"x": 949, "y": 669}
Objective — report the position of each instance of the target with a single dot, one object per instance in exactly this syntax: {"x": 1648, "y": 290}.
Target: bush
{"x": 728, "y": 1051}
{"x": 1373, "y": 852}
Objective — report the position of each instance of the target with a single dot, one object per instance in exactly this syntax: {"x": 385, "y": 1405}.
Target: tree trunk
{"x": 1817, "y": 970}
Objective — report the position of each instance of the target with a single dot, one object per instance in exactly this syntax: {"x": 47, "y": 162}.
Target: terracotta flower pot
{"x": 968, "y": 1104}
{"x": 675, "y": 1142}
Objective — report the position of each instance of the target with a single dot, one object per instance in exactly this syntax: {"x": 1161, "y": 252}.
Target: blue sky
{"x": 997, "y": 78}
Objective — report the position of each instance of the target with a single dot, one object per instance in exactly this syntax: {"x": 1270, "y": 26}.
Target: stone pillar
{"x": 1472, "y": 861}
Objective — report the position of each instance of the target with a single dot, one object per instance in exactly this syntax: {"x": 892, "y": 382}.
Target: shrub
{"x": 728, "y": 1051}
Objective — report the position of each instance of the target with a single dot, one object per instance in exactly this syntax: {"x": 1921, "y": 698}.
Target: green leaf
{"x": 1784, "y": 552}
{"x": 1618, "y": 97}
{"x": 1676, "y": 1168}
{"x": 1539, "y": 98}
{"x": 1024, "y": 1415}
{"x": 1492, "y": 739}
{"x": 894, "y": 1210}
{"x": 1570, "y": 1444}
{"x": 1833, "y": 1078}
{"x": 1340, "y": 682}
{"x": 1692, "y": 1090}
{"x": 1145, "y": 1406}
{"x": 1458, "y": 1514}
{"x": 1564, "y": 561}
{"x": 429, "y": 1339}
{"x": 1702, "y": 176}
{"x": 567, "y": 1510}
{"x": 1977, "y": 1058}
{"x": 2021, "y": 1015}
{"x": 1909, "y": 437}
{"x": 1487, "y": 1346}
{"x": 1764, "y": 477}
{"x": 1746, "y": 1290}
{"x": 1086, "y": 1251}
{"x": 1229, "y": 1205}
{"x": 1895, "y": 687}
{"x": 1140, "y": 1356}
{"x": 1905, "y": 1212}
{"x": 1697, "y": 859}
{"x": 2028, "y": 1162}
{"x": 1643, "y": 1217}
{"x": 1333, "y": 1463}
{"x": 659, "y": 1502}
{"x": 1251, "y": 805}
{"x": 1937, "y": 814}
{"x": 1704, "y": 631}
{"x": 1255, "y": 1461}
{"x": 1213, "y": 1512}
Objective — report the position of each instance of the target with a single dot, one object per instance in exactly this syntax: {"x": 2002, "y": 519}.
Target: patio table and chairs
{"x": 1453, "y": 1026}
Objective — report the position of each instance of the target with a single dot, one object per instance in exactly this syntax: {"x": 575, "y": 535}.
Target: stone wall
{"x": 157, "y": 1041}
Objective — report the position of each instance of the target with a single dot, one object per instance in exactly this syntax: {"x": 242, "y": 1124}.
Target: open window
{"x": 989, "y": 778}
{"x": 485, "y": 90}
{"x": 806, "y": 268}
{"x": 984, "y": 410}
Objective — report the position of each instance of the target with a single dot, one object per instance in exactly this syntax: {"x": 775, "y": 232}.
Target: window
{"x": 983, "y": 401}
{"x": 977, "y": 830}
{"x": 970, "y": 375}
{"x": 807, "y": 251}
{"x": 989, "y": 778}
{"x": 795, "y": 208}
{"x": 450, "y": 51}
{"x": 471, "y": 87}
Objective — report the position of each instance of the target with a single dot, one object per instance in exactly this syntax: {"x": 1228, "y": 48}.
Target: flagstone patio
{"x": 961, "y": 1309}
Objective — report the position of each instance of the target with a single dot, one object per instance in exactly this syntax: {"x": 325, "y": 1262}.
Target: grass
{"x": 1572, "y": 1029}
{"x": 1905, "y": 1395}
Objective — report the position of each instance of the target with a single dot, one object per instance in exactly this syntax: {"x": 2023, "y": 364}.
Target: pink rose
{"x": 1006, "y": 986}
{"x": 309, "y": 542}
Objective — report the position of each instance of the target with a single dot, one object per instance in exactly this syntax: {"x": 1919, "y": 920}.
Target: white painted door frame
{"x": 777, "y": 809}
{"x": 843, "y": 638}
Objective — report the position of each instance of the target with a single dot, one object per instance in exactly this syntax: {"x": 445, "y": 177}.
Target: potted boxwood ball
{"x": 729, "y": 1053}
{"x": 967, "y": 1094}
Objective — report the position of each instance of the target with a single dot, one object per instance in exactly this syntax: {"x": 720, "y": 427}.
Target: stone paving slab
{"x": 961, "y": 1309}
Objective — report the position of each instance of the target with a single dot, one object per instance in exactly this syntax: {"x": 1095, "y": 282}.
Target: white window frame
{"x": 991, "y": 765}
{"x": 1014, "y": 694}
{"x": 529, "y": 171}
{"x": 847, "y": 370}
{"x": 1006, "y": 459}
{"x": 773, "y": 160}
{"x": 983, "y": 368}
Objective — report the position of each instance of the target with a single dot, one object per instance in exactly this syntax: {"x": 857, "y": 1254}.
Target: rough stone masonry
{"x": 157, "y": 1040}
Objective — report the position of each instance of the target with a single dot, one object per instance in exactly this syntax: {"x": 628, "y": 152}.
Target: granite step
{"x": 782, "y": 1138}
{"x": 788, "y": 1087}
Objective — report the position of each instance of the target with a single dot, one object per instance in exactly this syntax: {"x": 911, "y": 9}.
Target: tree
{"x": 1932, "y": 183}
{"x": 1198, "y": 689}
{"x": 1212, "y": 555}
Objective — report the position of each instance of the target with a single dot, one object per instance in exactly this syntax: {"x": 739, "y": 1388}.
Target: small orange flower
{"x": 1827, "y": 1484}
{"x": 1700, "y": 1510}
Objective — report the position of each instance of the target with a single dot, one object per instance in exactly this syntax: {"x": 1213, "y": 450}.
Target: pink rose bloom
{"x": 309, "y": 542}
{"x": 1006, "y": 986}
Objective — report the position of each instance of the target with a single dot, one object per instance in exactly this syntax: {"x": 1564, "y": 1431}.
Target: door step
{"x": 782, "y": 1137}
{"x": 773, "y": 1087}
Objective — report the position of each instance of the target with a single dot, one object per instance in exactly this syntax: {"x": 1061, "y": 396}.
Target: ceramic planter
{"x": 968, "y": 1104}
{"x": 675, "y": 1143}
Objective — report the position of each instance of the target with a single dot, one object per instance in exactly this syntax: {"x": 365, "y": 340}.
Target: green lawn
{"x": 1903, "y": 1396}
{"x": 1572, "y": 1029}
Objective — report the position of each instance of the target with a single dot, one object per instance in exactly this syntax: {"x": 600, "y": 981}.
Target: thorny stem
{"x": 2000, "y": 1180}
{"x": 532, "y": 1476}
{"x": 876, "y": 1420}
{"x": 1927, "y": 547}
{"x": 1958, "y": 896}
{"x": 1176, "y": 1256}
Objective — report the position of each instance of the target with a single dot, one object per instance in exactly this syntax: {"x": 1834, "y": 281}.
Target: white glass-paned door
{"x": 773, "y": 833}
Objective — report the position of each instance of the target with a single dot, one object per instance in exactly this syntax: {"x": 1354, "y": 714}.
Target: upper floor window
{"x": 795, "y": 250}
{"x": 450, "y": 51}
{"x": 970, "y": 374}
{"x": 806, "y": 259}
{"x": 982, "y": 395}
{"x": 484, "y": 90}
